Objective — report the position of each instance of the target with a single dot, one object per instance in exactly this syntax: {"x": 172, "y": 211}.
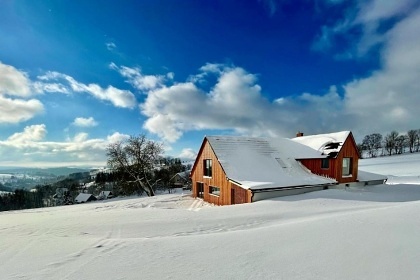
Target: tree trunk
{"x": 147, "y": 188}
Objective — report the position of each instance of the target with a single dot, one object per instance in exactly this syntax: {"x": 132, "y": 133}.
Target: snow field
{"x": 357, "y": 233}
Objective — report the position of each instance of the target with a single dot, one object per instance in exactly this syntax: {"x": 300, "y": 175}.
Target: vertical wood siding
{"x": 335, "y": 170}
{"x": 241, "y": 195}
{"x": 218, "y": 179}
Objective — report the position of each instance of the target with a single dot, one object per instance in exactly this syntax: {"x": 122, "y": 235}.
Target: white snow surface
{"x": 319, "y": 141}
{"x": 258, "y": 163}
{"x": 407, "y": 171}
{"x": 356, "y": 233}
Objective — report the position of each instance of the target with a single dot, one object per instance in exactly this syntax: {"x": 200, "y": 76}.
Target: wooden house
{"x": 181, "y": 180}
{"x": 232, "y": 170}
{"x": 342, "y": 155}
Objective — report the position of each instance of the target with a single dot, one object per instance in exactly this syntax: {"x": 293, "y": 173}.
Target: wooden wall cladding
{"x": 335, "y": 170}
{"x": 218, "y": 178}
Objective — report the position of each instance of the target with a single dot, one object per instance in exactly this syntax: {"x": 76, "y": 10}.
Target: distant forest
{"x": 393, "y": 143}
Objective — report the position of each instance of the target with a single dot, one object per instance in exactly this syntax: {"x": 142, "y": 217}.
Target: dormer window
{"x": 207, "y": 164}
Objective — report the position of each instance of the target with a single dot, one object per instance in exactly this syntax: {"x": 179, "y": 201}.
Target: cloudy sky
{"x": 78, "y": 75}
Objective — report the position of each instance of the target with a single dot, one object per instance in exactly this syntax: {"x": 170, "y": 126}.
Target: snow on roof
{"x": 83, "y": 197}
{"x": 106, "y": 193}
{"x": 328, "y": 144}
{"x": 259, "y": 163}
{"x": 364, "y": 176}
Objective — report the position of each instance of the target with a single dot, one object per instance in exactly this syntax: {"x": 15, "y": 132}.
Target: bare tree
{"x": 400, "y": 144}
{"x": 390, "y": 142}
{"x": 417, "y": 145}
{"x": 135, "y": 159}
{"x": 372, "y": 143}
{"x": 412, "y": 139}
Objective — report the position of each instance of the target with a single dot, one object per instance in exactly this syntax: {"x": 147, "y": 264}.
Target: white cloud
{"x": 140, "y": 81}
{"x": 110, "y": 46}
{"x": 85, "y": 122}
{"x": 78, "y": 150}
{"x": 13, "y": 82}
{"x": 373, "y": 11}
{"x": 18, "y": 110}
{"x": 188, "y": 154}
{"x": 117, "y": 137}
{"x": 41, "y": 87}
{"x": 383, "y": 101}
{"x": 81, "y": 137}
{"x": 118, "y": 97}
{"x": 234, "y": 102}
{"x": 14, "y": 88}
{"x": 391, "y": 94}
{"x": 366, "y": 18}
{"x": 31, "y": 133}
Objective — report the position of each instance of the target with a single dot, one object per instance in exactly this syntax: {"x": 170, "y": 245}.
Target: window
{"x": 207, "y": 167}
{"x": 214, "y": 190}
{"x": 346, "y": 166}
{"x": 325, "y": 163}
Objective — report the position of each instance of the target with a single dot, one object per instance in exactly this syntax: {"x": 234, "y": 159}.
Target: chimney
{"x": 299, "y": 134}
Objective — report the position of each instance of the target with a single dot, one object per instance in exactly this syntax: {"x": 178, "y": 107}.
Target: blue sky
{"x": 78, "y": 75}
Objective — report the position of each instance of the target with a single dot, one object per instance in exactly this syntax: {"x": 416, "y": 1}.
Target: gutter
{"x": 291, "y": 188}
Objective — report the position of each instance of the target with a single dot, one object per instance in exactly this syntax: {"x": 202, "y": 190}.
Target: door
{"x": 199, "y": 190}
{"x": 232, "y": 196}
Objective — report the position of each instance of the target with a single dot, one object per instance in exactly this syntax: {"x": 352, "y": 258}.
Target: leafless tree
{"x": 400, "y": 144}
{"x": 135, "y": 159}
{"x": 390, "y": 142}
{"x": 372, "y": 143}
{"x": 412, "y": 136}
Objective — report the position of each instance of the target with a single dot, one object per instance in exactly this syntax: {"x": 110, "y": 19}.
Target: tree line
{"x": 393, "y": 143}
{"x": 40, "y": 196}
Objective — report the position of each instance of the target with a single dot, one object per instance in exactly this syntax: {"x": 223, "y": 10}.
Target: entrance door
{"x": 199, "y": 190}
{"x": 232, "y": 196}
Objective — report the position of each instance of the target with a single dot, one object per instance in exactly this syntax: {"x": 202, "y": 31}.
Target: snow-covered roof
{"x": 364, "y": 176}
{"x": 259, "y": 163}
{"x": 83, "y": 197}
{"x": 106, "y": 193}
{"x": 328, "y": 144}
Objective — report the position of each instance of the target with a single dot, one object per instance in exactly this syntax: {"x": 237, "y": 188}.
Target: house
{"x": 105, "y": 195}
{"x": 181, "y": 180}
{"x": 84, "y": 197}
{"x": 339, "y": 152}
{"x": 233, "y": 169}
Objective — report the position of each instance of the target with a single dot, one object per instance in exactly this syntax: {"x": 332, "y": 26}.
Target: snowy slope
{"x": 366, "y": 233}
{"x": 400, "y": 169}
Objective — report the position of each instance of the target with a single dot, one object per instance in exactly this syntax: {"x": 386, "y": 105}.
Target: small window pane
{"x": 346, "y": 166}
{"x": 207, "y": 167}
{"x": 214, "y": 190}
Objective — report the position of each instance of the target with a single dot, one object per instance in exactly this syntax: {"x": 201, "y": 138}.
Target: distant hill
{"x": 55, "y": 171}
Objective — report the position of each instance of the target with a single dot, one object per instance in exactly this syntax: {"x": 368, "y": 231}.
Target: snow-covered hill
{"x": 366, "y": 233}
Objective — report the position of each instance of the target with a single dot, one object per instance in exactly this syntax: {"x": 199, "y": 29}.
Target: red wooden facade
{"x": 335, "y": 169}
{"x": 229, "y": 192}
